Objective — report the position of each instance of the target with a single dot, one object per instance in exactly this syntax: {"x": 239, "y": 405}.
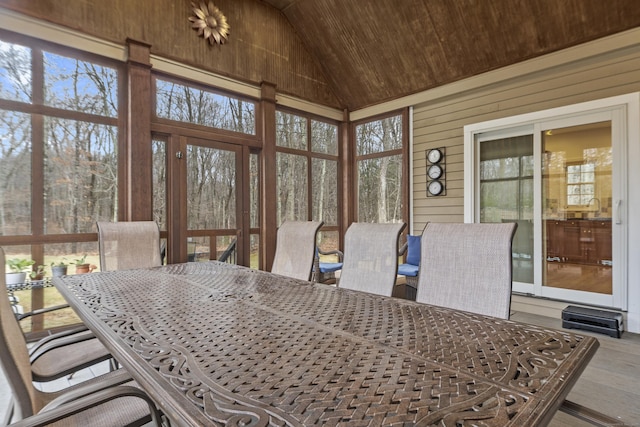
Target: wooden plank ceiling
{"x": 373, "y": 51}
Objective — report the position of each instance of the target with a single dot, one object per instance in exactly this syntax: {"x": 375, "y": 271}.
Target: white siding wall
{"x": 601, "y": 69}
{"x": 440, "y": 123}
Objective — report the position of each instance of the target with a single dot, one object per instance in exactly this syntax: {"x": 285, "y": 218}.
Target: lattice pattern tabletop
{"x": 216, "y": 344}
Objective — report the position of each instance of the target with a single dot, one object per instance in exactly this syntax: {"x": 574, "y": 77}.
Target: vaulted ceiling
{"x": 374, "y": 51}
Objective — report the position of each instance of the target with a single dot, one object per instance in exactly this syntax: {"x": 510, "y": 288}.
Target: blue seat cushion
{"x": 330, "y": 267}
{"x": 413, "y": 250}
{"x": 408, "y": 269}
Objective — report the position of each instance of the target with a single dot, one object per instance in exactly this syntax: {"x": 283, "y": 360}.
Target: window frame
{"x": 580, "y": 183}
{"x": 38, "y": 112}
{"x": 403, "y": 151}
{"x": 156, "y": 75}
{"x": 309, "y": 156}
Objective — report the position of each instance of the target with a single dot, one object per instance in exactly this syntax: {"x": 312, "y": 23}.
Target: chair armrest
{"x": 41, "y": 311}
{"x": 112, "y": 379}
{"x": 52, "y": 413}
{"x": 58, "y": 340}
{"x": 333, "y": 252}
{"x": 67, "y": 332}
{"x": 403, "y": 249}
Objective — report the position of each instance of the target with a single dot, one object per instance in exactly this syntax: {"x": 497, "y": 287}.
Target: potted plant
{"x": 37, "y": 274}
{"x": 82, "y": 266}
{"x": 17, "y": 273}
{"x": 59, "y": 268}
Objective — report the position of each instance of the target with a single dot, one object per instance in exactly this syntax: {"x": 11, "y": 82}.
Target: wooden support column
{"x": 138, "y": 203}
{"x": 268, "y": 225}
{"x": 347, "y": 155}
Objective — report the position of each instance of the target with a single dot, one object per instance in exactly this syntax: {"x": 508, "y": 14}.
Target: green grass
{"x": 51, "y": 320}
{"x": 51, "y": 298}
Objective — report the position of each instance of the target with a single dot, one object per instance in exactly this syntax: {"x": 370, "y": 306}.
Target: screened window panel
{"x": 80, "y": 176}
{"x": 324, "y": 137}
{"x": 15, "y": 72}
{"x": 159, "y": 177}
{"x": 324, "y": 189}
{"x": 292, "y": 197}
{"x": 211, "y": 189}
{"x": 187, "y": 104}
{"x": 380, "y": 189}
{"x": 291, "y": 131}
{"x": 379, "y": 136}
{"x": 15, "y": 173}
{"x": 77, "y": 85}
{"x": 254, "y": 190}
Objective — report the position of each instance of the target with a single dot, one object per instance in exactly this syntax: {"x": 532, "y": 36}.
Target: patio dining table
{"x": 218, "y": 344}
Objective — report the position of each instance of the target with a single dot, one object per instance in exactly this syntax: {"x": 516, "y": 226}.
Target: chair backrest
{"x": 295, "y": 249}
{"x": 371, "y": 257}
{"x": 413, "y": 250}
{"x": 128, "y": 245}
{"x": 467, "y": 267}
{"x": 14, "y": 357}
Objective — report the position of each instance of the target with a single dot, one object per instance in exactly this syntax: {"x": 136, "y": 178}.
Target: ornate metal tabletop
{"x": 217, "y": 344}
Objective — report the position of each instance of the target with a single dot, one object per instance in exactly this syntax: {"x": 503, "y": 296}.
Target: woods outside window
{"x": 59, "y": 145}
{"x": 307, "y": 173}
{"x": 379, "y": 168}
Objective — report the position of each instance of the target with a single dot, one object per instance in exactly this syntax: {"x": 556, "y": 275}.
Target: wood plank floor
{"x": 580, "y": 277}
{"x": 610, "y": 384}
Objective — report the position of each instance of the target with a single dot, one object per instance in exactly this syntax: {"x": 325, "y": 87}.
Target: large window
{"x": 379, "y": 166}
{"x": 189, "y": 104}
{"x": 580, "y": 184}
{"x": 307, "y": 173}
{"x": 207, "y": 128}
{"x": 59, "y": 140}
{"x": 65, "y": 160}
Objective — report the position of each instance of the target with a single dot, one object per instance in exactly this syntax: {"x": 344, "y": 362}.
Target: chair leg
{"x": 412, "y": 288}
{"x": 589, "y": 415}
{"x": 113, "y": 364}
{"x": 8, "y": 415}
{"x": 326, "y": 278}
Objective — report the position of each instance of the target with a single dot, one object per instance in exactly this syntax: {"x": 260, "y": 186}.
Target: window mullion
{"x": 37, "y": 154}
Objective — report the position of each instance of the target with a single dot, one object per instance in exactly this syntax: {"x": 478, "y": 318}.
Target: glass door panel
{"x": 211, "y": 188}
{"x": 212, "y": 205}
{"x": 197, "y": 199}
{"x": 506, "y": 195}
{"x": 254, "y": 211}
{"x": 577, "y": 203}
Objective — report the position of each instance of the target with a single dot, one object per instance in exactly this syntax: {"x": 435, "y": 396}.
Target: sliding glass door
{"x": 561, "y": 181}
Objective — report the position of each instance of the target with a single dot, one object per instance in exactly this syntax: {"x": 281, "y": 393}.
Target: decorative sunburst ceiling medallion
{"x": 209, "y": 22}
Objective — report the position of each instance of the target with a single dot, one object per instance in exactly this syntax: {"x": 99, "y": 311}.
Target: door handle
{"x": 179, "y": 154}
{"x": 618, "y": 211}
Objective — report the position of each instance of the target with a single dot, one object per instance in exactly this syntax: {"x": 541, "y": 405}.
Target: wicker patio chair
{"x": 128, "y": 245}
{"x": 410, "y": 268}
{"x": 371, "y": 257}
{"x": 467, "y": 267}
{"x": 118, "y": 406}
{"x": 295, "y": 249}
{"x": 325, "y": 272}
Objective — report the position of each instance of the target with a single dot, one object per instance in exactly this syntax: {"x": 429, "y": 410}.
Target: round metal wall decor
{"x": 210, "y": 23}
